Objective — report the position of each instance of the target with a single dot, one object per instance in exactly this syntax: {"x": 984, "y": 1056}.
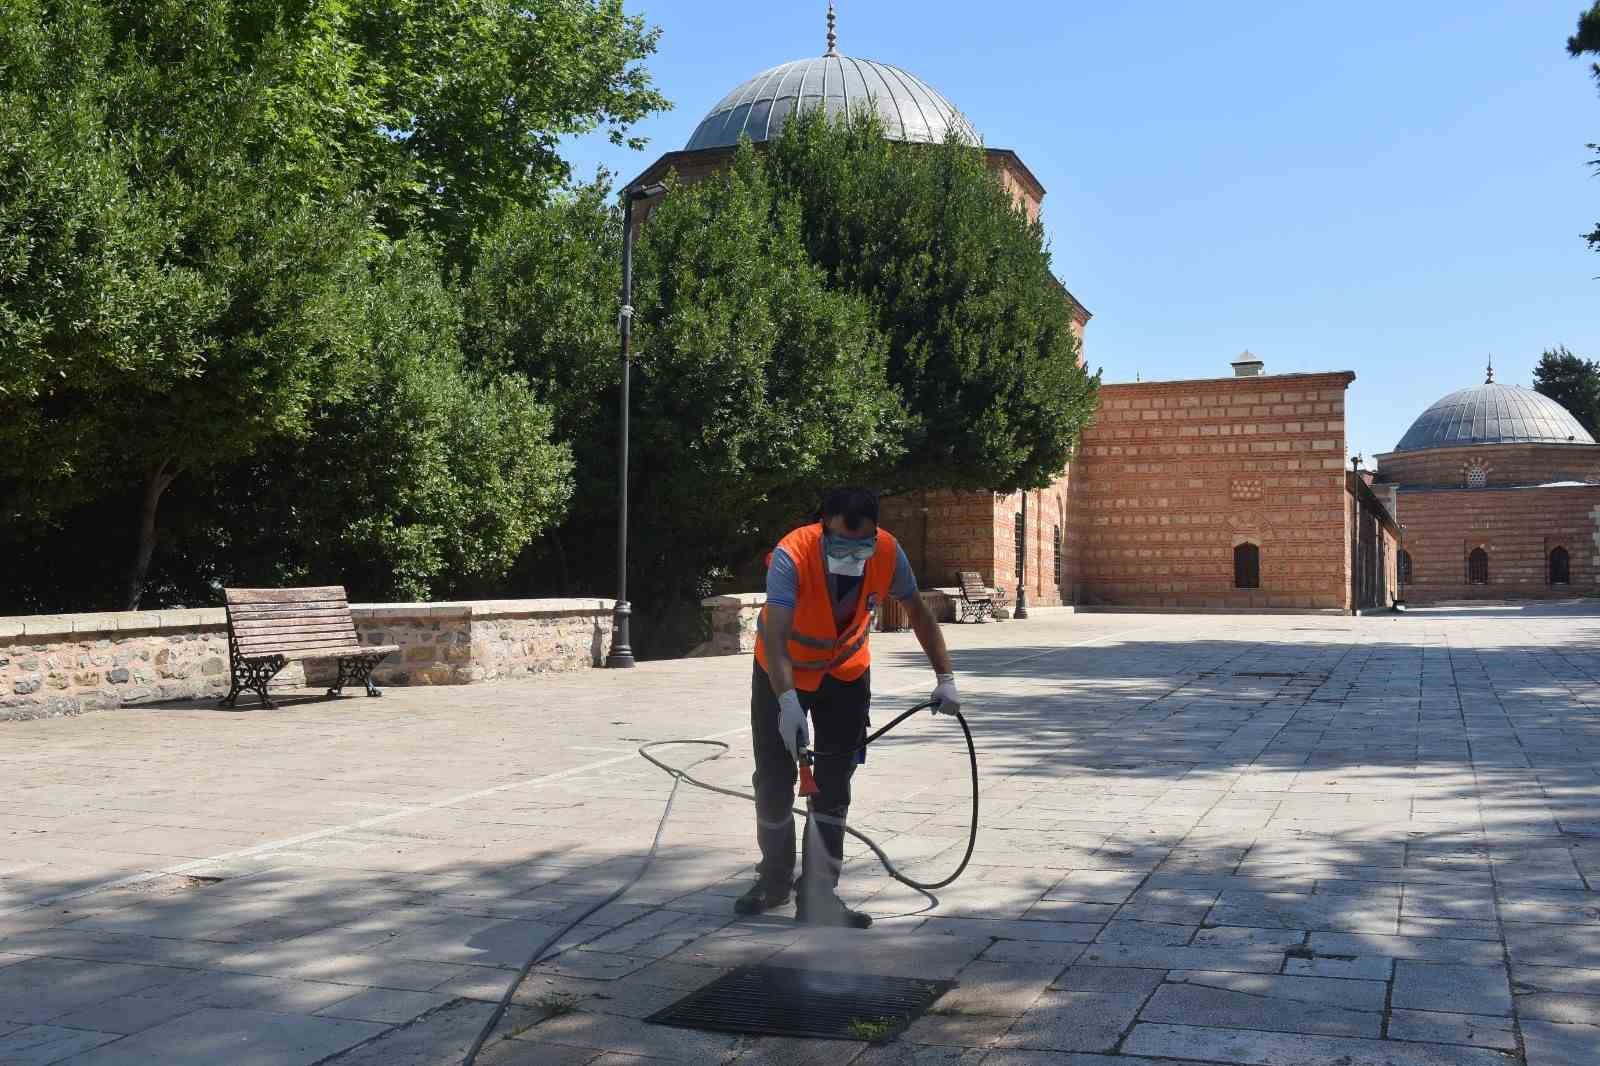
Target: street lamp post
{"x": 1022, "y": 564}
{"x": 621, "y": 654}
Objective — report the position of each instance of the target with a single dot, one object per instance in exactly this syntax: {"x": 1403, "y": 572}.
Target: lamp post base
{"x": 1021, "y": 609}
{"x": 621, "y": 654}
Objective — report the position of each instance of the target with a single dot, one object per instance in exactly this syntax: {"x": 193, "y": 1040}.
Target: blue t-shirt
{"x": 783, "y": 580}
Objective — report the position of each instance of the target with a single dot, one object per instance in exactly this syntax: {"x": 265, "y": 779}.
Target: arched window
{"x": 1477, "y": 477}
{"x": 1247, "y": 566}
{"x": 1058, "y": 557}
{"x": 1478, "y": 567}
{"x": 1404, "y": 564}
{"x": 1560, "y": 567}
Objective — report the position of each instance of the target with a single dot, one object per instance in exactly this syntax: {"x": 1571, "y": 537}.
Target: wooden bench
{"x": 269, "y": 628}
{"x": 977, "y": 601}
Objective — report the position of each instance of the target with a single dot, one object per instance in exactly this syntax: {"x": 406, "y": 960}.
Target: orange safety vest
{"x": 816, "y": 646}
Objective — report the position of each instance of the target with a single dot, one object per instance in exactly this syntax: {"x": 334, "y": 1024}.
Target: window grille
{"x": 1560, "y": 567}
{"x": 1058, "y": 557}
{"x": 1478, "y": 567}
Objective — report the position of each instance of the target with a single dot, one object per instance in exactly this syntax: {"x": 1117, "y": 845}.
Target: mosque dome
{"x": 1493, "y": 414}
{"x": 910, "y": 109}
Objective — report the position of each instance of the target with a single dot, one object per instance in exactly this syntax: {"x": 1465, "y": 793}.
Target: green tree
{"x": 757, "y": 383}
{"x": 429, "y": 477}
{"x": 981, "y": 345}
{"x": 1587, "y": 42}
{"x": 541, "y": 301}
{"x": 1572, "y": 382}
{"x": 470, "y": 102}
{"x": 193, "y": 194}
{"x": 182, "y": 254}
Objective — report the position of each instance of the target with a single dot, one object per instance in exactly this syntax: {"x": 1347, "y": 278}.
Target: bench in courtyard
{"x": 269, "y": 628}
{"x": 978, "y": 601}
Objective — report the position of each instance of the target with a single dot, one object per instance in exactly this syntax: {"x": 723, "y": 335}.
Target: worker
{"x": 825, "y": 581}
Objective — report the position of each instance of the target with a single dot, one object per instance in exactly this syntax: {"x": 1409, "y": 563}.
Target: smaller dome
{"x": 1493, "y": 414}
{"x": 911, "y": 110}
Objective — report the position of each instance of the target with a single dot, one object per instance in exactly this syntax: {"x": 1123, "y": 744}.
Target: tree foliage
{"x": 832, "y": 307}
{"x": 758, "y": 384}
{"x": 197, "y": 199}
{"x": 1587, "y": 42}
{"x": 980, "y": 340}
{"x": 1573, "y": 382}
{"x": 178, "y": 308}
{"x": 428, "y": 476}
{"x": 468, "y": 102}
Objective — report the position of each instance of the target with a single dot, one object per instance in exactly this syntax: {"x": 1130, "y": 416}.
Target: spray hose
{"x": 679, "y": 775}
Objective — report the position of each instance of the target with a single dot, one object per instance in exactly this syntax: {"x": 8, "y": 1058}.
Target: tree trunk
{"x": 156, "y": 480}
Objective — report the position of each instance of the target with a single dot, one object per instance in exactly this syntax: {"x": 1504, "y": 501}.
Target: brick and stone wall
{"x": 1533, "y": 498}
{"x": 1172, "y": 475}
{"x": 1516, "y": 527}
{"x": 1502, "y": 464}
{"x": 68, "y": 664}
{"x": 945, "y": 533}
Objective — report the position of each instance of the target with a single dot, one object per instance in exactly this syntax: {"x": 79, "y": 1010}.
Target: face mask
{"x": 847, "y": 556}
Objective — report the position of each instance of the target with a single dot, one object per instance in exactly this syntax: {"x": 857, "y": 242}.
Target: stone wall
{"x": 67, "y": 664}
{"x": 1172, "y": 475}
{"x": 733, "y": 619}
{"x": 733, "y": 624}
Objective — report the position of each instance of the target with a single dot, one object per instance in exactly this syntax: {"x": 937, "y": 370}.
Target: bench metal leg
{"x": 357, "y": 669}
{"x": 976, "y": 610}
{"x": 254, "y": 675}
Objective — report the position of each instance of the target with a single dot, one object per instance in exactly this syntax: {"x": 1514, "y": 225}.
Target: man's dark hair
{"x": 853, "y": 504}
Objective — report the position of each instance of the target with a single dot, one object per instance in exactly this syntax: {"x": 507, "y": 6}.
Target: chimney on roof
{"x": 1247, "y": 366}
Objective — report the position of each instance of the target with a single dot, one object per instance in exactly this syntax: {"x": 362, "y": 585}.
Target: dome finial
{"x": 1490, "y": 379}
{"x": 833, "y": 38}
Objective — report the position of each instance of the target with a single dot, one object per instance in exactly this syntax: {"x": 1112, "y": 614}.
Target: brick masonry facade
{"x": 1174, "y": 475}
{"x": 1524, "y": 506}
{"x": 944, "y": 533}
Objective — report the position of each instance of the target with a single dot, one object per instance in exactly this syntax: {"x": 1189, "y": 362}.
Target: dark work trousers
{"x": 838, "y": 712}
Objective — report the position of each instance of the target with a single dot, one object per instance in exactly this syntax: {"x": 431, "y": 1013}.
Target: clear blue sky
{"x": 1392, "y": 188}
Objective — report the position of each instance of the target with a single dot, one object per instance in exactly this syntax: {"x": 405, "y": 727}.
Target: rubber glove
{"x": 944, "y": 695}
{"x": 792, "y": 724}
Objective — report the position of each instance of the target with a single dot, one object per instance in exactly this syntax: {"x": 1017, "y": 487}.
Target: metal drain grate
{"x": 821, "y": 1004}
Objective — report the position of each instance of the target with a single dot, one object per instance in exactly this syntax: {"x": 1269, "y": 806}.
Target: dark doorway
{"x": 1478, "y": 567}
{"x": 1247, "y": 567}
{"x": 1404, "y": 566}
{"x": 1560, "y": 567}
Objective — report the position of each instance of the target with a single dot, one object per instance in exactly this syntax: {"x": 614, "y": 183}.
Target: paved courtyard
{"x": 1262, "y": 841}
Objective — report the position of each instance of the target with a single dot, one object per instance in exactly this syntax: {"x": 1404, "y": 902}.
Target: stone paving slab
{"x": 1258, "y": 841}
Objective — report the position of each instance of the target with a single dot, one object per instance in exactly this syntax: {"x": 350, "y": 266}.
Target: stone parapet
{"x": 66, "y": 664}
{"x": 733, "y": 624}
{"x": 733, "y": 619}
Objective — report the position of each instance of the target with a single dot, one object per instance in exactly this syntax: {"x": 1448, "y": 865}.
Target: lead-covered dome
{"x": 911, "y": 109}
{"x": 1493, "y": 414}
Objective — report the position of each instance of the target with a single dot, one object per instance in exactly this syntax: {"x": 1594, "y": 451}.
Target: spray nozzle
{"x": 808, "y": 783}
